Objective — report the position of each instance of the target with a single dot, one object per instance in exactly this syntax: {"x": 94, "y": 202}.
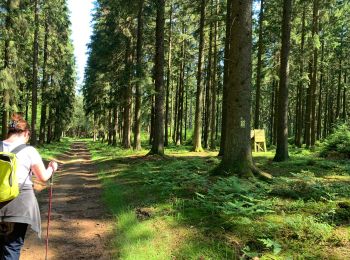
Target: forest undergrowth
{"x": 54, "y": 149}
{"x": 171, "y": 208}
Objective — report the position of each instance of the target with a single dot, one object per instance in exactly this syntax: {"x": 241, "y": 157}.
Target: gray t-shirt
{"x": 26, "y": 158}
{"x": 24, "y": 208}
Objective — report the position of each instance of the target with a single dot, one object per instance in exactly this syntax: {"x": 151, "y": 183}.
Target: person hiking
{"x": 18, "y": 213}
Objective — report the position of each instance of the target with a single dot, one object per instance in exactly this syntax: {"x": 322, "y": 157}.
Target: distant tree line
{"x": 197, "y": 72}
{"x": 37, "y": 71}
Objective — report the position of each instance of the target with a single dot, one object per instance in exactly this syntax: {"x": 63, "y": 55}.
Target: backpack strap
{"x": 19, "y": 148}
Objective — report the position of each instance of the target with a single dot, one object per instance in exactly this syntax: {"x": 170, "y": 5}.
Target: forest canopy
{"x": 165, "y": 68}
{"x": 167, "y": 71}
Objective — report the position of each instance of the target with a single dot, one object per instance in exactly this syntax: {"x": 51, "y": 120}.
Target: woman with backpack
{"x": 18, "y": 213}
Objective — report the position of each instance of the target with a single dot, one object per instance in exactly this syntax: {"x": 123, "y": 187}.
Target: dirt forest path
{"x": 80, "y": 227}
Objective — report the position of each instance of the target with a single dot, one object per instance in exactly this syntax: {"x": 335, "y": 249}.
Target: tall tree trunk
{"x": 190, "y": 115}
{"x": 6, "y": 97}
{"x": 44, "y": 87}
{"x": 218, "y": 108}
{"x": 229, "y": 23}
{"x": 172, "y": 97}
{"x": 300, "y": 91}
{"x": 186, "y": 105}
{"x": 320, "y": 99}
{"x": 180, "y": 111}
{"x": 169, "y": 72}
{"x": 139, "y": 74}
{"x": 115, "y": 126}
{"x": 5, "y": 114}
{"x": 33, "y": 139}
{"x": 331, "y": 114}
{"x": 110, "y": 126}
{"x": 337, "y": 111}
{"x": 308, "y": 110}
{"x": 344, "y": 97}
{"x": 176, "y": 110}
{"x": 282, "y": 120}
{"x": 57, "y": 131}
{"x": 259, "y": 65}
{"x": 127, "y": 97}
{"x": 237, "y": 158}
{"x": 214, "y": 86}
{"x": 340, "y": 71}
{"x": 197, "y": 135}
{"x": 314, "y": 75}
{"x": 275, "y": 125}
{"x": 208, "y": 90}
{"x": 158, "y": 141}
{"x": 273, "y": 111}
{"x": 27, "y": 99}
{"x": 325, "y": 117}
{"x": 49, "y": 136}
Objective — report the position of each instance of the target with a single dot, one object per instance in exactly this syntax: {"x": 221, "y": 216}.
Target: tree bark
{"x": 197, "y": 135}
{"x": 300, "y": 90}
{"x": 337, "y": 111}
{"x": 258, "y": 69}
{"x": 275, "y": 125}
{"x": 314, "y": 75}
{"x": 180, "y": 109}
{"x": 325, "y": 117}
{"x": 139, "y": 74}
{"x": 273, "y": 111}
{"x": 127, "y": 97}
{"x": 44, "y": 86}
{"x": 168, "y": 82}
{"x": 49, "y": 136}
{"x": 307, "y": 130}
{"x": 208, "y": 91}
{"x": 33, "y": 139}
{"x": 214, "y": 86}
{"x": 229, "y": 23}
{"x": 344, "y": 97}
{"x": 282, "y": 120}
{"x": 176, "y": 108}
{"x": 186, "y": 106}
{"x": 6, "y": 98}
{"x": 158, "y": 141}
{"x": 320, "y": 99}
{"x": 115, "y": 126}
{"x": 237, "y": 158}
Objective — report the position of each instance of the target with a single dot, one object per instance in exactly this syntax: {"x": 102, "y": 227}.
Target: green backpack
{"x": 8, "y": 179}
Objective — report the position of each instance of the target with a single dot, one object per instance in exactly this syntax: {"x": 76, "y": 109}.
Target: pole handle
{"x": 51, "y": 180}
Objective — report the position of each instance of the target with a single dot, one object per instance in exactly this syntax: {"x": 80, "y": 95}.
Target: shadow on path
{"x": 80, "y": 227}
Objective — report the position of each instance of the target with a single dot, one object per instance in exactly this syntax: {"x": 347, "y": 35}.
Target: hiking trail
{"x": 80, "y": 226}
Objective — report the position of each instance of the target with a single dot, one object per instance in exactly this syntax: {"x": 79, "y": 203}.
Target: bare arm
{"x": 44, "y": 174}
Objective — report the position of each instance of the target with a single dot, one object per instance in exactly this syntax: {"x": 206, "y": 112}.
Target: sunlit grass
{"x": 52, "y": 150}
{"x": 305, "y": 221}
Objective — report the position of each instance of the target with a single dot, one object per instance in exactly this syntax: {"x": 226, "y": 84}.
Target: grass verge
{"x": 52, "y": 150}
{"x": 170, "y": 208}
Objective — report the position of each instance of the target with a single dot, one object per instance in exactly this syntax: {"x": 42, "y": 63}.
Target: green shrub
{"x": 306, "y": 228}
{"x": 337, "y": 144}
{"x": 342, "y": 213}
{"x": 303, "y": 186}
{"x": 236, "y": 197}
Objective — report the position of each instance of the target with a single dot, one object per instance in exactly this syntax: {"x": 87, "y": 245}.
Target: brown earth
{"x": 80, "y": 226}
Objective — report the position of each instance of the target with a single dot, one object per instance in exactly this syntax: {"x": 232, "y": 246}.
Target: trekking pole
{"x": 48, "y": 215}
